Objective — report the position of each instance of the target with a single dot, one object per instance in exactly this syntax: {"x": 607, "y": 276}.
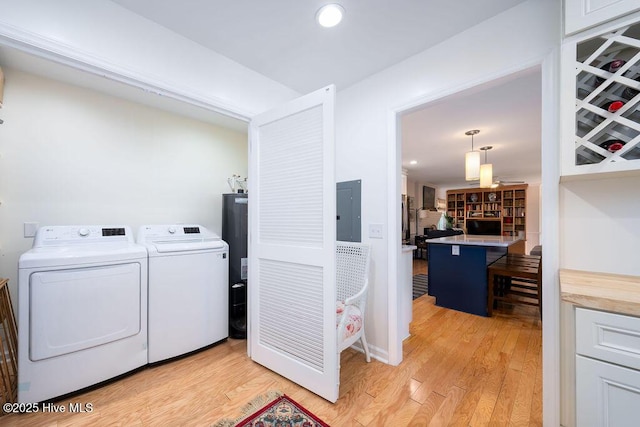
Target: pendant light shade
{"x": 486, "y": 170}
{"x": 486, "y": 175}
{"x": 472, "y": 165}
{"x": 472, "y": 160}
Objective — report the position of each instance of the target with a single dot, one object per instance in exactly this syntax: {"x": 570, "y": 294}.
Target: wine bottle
{"x": 611, "y": 67}
{"x": 613, "y": 106}
{"x": 612, "y": 145}
{"x": 630, "y": 93}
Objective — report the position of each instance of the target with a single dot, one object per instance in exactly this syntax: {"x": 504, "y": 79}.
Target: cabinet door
{"x": 581, "y": 14}
{"x": 606, "y": 394}
{"x": 600, "y": 92}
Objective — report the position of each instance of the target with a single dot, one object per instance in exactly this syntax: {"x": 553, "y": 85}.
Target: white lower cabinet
{"x": 606, "y": 394}
{"x": 607, "y": 369}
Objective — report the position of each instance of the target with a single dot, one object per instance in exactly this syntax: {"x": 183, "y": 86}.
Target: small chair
{"x": 421, "y": 243}
{"x": 352, "y": 281}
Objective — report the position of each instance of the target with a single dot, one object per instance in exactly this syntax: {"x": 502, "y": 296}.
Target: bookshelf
{"x": 506, "y": 203}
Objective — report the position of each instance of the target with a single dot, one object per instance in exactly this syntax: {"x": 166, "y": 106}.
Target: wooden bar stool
{"x": 515, "y": 279}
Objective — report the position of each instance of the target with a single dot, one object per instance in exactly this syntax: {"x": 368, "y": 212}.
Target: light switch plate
{"x": 376, "y": 231}
{"x": 455, "y": 250}
{"x": 30, "y": 229}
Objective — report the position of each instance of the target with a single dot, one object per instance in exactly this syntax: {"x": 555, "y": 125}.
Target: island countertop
{"x": 477, "y": 240}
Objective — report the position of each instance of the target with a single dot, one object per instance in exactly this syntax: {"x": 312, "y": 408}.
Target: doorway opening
{"x": 447, "y": 151}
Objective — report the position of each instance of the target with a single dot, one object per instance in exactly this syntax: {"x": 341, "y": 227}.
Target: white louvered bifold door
{"x": 292, "y": 229}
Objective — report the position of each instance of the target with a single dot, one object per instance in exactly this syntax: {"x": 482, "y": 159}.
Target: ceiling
{"x": 13, "y": 58}
{"x": 506, "y": 111}
{"x": 281, "y": 40}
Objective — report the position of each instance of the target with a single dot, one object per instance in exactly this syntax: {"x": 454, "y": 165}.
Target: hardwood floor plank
{"x": 490, "y": 391}
{"x": 536, "y": 402}
{"x": 520, "y": 350}
{"x": 475, "y": 371}
{"x": 504, "y": 403}
{"x": 353, "y": 367}
{"x": 402, "y": 417}
{"x": 467, "y": 406}
{"x": 349, "y": 407}
{"x": 427, "y": 410}
{"x": 521, "y": 413}
{"x": 448, "y": 407}
{"x": 389, "y": 400}
{"x": 416, "y": 360}
{"x": 461, "y": 358}
{"x": 512, "y": 339}
{"x": 447, "y": 339}
{"x": 480, "y": 368}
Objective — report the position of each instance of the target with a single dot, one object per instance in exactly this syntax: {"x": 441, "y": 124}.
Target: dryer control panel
{"x": 66, "y": 234}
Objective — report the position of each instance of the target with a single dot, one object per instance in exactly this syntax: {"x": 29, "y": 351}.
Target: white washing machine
{"x": 188, "y": 289}
{"x": 82, "y": 309}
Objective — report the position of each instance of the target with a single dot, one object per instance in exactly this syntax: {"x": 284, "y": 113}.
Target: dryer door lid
{"x": 77, "y": 309}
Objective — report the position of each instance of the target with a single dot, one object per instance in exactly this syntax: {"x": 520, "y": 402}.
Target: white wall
{"x": 600, "y": 225}
{"x": 73, "y": 156}
{"x": 533, "y": 216}
{"x": 517, "y": 38}
{"x": 103, "y": 36}
{"x": 415, "y": 191}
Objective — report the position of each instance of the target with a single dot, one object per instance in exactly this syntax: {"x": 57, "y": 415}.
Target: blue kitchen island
{"x": 458, "y": 269}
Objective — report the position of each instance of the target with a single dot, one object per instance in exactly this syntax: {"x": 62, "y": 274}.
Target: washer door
{"x": 75, "y": 309}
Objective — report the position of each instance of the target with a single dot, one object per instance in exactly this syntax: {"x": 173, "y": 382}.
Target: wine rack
{"x": 607, "y": 98}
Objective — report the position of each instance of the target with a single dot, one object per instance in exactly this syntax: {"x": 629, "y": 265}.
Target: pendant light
{"x": 486, "y": 170}
{"x": 472, "y": 160}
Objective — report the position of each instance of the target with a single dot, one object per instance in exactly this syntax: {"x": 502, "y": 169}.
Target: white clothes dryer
{"x": 82, "y": 309}
{"x": 188, "y": 289}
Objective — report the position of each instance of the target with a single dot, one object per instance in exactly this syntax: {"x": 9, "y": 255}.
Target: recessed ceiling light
{"x": 413, "y": 162}
{"x": 330, "y": 15}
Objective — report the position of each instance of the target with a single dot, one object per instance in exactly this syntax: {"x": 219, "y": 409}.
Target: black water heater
{"x": 235, "y": 233}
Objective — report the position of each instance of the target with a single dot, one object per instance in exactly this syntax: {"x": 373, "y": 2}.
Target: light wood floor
{"x": 458, "y": 369}
{"x": 420, "y": 266}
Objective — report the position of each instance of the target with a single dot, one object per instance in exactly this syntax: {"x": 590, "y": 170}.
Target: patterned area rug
{"x": 420, "y": 285}
{"x": 280, "y": 412}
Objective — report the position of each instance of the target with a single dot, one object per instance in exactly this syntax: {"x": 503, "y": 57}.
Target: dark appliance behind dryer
{"x": 235, "y": 233}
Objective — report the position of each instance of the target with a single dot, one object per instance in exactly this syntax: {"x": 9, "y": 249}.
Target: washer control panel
{"x": 175, "y": 232}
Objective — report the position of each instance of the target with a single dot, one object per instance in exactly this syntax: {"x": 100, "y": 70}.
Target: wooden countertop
{"x": 617, "y": 293}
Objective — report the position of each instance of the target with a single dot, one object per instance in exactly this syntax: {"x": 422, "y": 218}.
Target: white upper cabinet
{"x": 582, "y": 14}
{"x": 600, "y": 101}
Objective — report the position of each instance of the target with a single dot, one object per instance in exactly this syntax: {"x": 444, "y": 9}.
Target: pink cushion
{"x": 353, "y": 319}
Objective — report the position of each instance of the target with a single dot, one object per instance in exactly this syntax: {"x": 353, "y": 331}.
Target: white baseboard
{"x": 375, "y": 352}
